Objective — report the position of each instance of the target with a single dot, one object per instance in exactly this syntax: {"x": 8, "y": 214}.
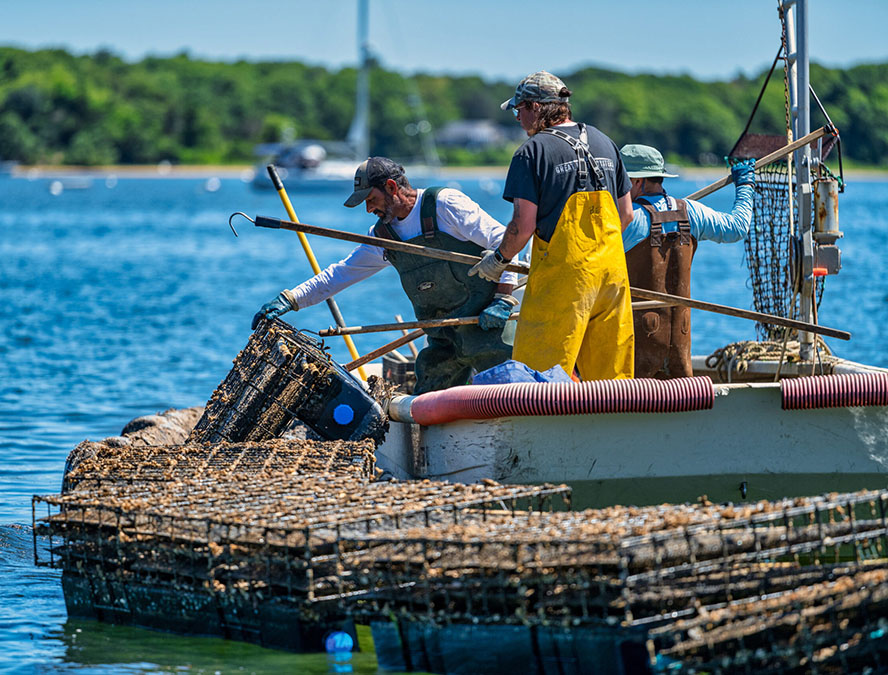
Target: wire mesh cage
{"x": 94, "y": 465}
{"x": 234, "y": 539}
{"x": 769, "y": 586}
{"x": 283, "y": 375}
{"x": 249, "y": 538}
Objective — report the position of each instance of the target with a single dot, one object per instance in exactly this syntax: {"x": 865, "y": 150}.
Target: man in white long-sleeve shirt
{"x": 437, "y": 218}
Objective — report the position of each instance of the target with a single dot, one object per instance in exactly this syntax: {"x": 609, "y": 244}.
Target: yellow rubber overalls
{"x": 577, "y": 309}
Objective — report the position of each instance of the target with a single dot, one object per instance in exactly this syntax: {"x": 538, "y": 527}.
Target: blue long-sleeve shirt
{"x": 706, "y": 223}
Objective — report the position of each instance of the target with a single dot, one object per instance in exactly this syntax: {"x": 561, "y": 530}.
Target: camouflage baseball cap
{"x": 373, "y": 173}
{"x": 643, "y": 161}
{"x": 541, "y": 87}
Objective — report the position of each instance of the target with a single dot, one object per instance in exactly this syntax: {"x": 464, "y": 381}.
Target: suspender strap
{"x": 428, "y": 217}
{"x": 585, "y": 160}
{"x": 428, "y": 211}
{"x": 677, "y": 215}
{"x": 384, "y": 231}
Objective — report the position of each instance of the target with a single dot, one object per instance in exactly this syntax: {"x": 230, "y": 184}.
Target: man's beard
{"x": 388, "y": 215}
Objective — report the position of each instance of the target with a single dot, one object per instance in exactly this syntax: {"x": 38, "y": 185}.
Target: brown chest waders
{"x": 662, "y": 262}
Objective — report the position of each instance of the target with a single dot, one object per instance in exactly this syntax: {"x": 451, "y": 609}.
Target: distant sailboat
{"x": 312, "y": 164}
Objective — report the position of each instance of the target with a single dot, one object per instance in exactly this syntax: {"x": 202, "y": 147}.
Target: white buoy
{"x": 56, "y": 188}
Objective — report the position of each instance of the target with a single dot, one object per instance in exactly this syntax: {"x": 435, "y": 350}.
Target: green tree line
{"x": 57, "y": 107}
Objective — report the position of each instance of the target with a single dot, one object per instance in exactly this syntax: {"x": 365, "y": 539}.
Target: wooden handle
{"x": 404, "y": 247}
{"x": 764, "y": 161}
{"x": 741, "y": 313}
{"x": 385, "y": 349}
{"x": 383, "y": 327}
{"x": 654, "y": 300}
{"x": 454, "y": 321}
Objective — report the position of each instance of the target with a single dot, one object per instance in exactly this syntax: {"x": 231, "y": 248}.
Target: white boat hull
{"x": 746, "y": 446}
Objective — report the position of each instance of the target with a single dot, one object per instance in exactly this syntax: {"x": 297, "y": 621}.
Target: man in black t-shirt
{"x": 571, "y": 193}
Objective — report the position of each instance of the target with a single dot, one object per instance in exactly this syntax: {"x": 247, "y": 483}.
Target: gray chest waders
{"x": 441, "y": 289}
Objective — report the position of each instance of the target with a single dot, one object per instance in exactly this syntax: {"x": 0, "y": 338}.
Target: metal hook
{"x": 238, "y": 213}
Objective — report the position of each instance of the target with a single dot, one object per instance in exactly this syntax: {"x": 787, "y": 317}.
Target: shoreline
{"x": 246, "y": 172}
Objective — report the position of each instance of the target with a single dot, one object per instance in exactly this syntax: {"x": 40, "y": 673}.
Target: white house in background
{"x": 476, "y": 134}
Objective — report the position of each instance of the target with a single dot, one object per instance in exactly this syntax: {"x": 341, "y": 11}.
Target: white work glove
{"x": 491, "y": 267}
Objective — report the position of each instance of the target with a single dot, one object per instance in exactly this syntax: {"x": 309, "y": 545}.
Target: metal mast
{"x": 796, "y": 12}
{"x": 359, "y": 133}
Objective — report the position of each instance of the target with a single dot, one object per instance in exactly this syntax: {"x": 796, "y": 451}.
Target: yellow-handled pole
{"x": 331, "y": 303}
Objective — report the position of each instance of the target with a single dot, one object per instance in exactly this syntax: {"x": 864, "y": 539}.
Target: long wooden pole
{"x": 383, "y": 327}
{"x": 764, "y": 161}
{"x": 439, "y": 323}
{"x": 741, "y": 313}
{"x": 404, "y": 247}
{"x": 262, "y": 221}
{"x": 331, "y": 303}
{"x": 656, "y": 299}
{"x": 385, "y": 349}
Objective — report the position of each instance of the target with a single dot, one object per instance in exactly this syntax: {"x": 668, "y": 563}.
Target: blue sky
{"x": 497, "y": 39}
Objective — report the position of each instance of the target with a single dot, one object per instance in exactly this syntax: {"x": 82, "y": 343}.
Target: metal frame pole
{"x": 799, "y": 87}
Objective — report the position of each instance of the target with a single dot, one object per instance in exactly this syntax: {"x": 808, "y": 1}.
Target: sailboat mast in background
{"x": 359, "y": 133}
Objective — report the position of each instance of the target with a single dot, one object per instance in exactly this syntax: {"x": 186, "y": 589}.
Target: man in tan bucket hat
{"x": 660, "y": 243}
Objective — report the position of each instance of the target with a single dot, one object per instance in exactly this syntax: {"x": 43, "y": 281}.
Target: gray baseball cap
{"x": 643, "y": 161}
{"x": 541, "y": 87}
{"x": 373, "y": 173}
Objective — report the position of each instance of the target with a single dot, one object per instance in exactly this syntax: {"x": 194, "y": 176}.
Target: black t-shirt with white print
{"x": 544, "y": 171}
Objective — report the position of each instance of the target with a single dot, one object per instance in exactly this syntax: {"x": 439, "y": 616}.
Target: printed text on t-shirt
{"x": 605, "y": 163}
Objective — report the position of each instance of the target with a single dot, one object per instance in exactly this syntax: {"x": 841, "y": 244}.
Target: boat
{"x": 312, "y": 164}
{"x": 309, "y": 164}
{"x": 771, "y": 428}
{"x": 316, "y": 164}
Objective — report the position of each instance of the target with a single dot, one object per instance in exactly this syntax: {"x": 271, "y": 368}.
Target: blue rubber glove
{"x": 497, "y": 312}
{"x": 272, "y": 310}
{"x": 743, "y": 173}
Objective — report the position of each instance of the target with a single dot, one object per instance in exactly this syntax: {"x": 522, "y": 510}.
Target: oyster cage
{"x": 232, "y": 539}
{"x": 281, "y": 541}
{"x": 94, "y": 465}
{"x": 283, "y": 375}
{"x": 775, "y": 587}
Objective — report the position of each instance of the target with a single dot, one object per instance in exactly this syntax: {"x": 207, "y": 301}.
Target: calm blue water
{"x": 124, "y": 301}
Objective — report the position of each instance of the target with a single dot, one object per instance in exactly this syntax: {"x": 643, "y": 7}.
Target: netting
{"x": 769, "y": 243}
{"x": 773, "y": 246}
